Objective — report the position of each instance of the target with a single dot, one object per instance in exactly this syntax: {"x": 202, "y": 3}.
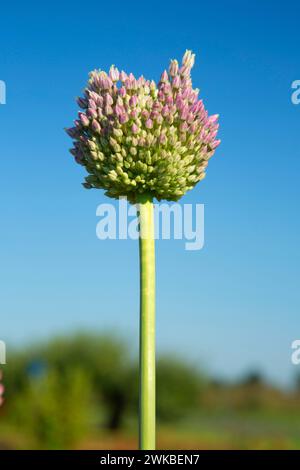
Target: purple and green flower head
{"x": 134, "y": 136}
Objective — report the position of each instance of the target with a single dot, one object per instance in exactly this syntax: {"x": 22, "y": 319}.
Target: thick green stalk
{"x": 147, "y": 324}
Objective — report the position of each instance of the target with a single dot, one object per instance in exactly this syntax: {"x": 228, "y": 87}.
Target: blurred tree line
{"x": 58, "y": 392}
{"x": 64, "y": 391}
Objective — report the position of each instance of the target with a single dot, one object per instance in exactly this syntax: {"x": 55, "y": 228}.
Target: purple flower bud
{"x": 105, "y": 83}
{"x": 190, "y": 118}
{"x": 183, "y": 127}
{"x": 162, "y": 139}
{"x": 141, "y": 81}
{"x": 184, "y": 73}
{"x": 134, "y": 129}
{"x": 83, "y": 139}
{"x": 173, "y": 69}
{"x": 92, "y": 113}
{"x": 145, "y": 114}
{"x": 114, "y": 73}
{"x": 213, "y": 118}
{"x": 184, "y": 112}
{"x": 149, "y": 124}
{"x": 133, "y": 100}
{"x": 185, "y": 93}
{"x": 84, "y": 119}
{"x": 154, "y": 114}
{"x": 123, "y": 118}
{"x": 79, "y": 159}
{"x": 108, "y": 109}
{"x": 213, "y": 134}
{"x": 99, "y": 100}
{"x": 196, "y": 107}
{"x": 165, "y": 111}
{"x": 108, "y": 99}
{"x": 188, "y": 59}
{"x": 123, "y": 76}
{"x": 202, "y": 116}
{"x": 161, "y": 95}
{"x": 120, "y": 101}
{"x": 119, "y": 110}
{"x": 82, "y": 102}
{"x": 207, "y": 125}
{"x": 152, "y": 85}
{"x": 179, "y": 100}
{"x": 72, "y": 132}
{"x": 193, "y": 96}
{"x": 215, "y": 144}
{"x": 122, "y": 91}
{"x": 130, "y": 82}
{"x": 170, "y": 118}
{"x": 92, "y": 104}
{"x": 96, "y": 126}
{"x": 186, "y": 81}
{"x": 176, "y": 82}
{"x": 93, "y": 96}
{"x": 202, "y": 134}
{"x": 167, "y": 89}
{"x": 134, "y": 113}
{"x": 157, "y": 106}
{"x": 164, "y": 77}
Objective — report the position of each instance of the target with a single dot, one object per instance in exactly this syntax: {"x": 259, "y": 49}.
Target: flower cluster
{"x": 136, "y": 137}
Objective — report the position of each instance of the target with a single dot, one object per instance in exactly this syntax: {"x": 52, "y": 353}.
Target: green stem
{"x": 147, "y": 324}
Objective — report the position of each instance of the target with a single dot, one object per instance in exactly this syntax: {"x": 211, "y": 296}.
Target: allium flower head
{"x": 134, "y": 136}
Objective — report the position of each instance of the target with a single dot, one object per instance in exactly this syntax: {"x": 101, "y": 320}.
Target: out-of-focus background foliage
{"x": 80, "y": 392}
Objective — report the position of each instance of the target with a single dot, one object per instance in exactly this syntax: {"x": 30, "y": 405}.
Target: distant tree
{"x": 40, "y": 376}
{"x": 106, "y": 360}
{"x": 179, "y": 387}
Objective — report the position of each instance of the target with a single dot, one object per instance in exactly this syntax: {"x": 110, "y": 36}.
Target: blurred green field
{"x": 80, "y": 392}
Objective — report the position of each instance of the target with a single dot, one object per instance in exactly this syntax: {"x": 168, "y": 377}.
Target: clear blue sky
{"x": 234, "y": 305}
